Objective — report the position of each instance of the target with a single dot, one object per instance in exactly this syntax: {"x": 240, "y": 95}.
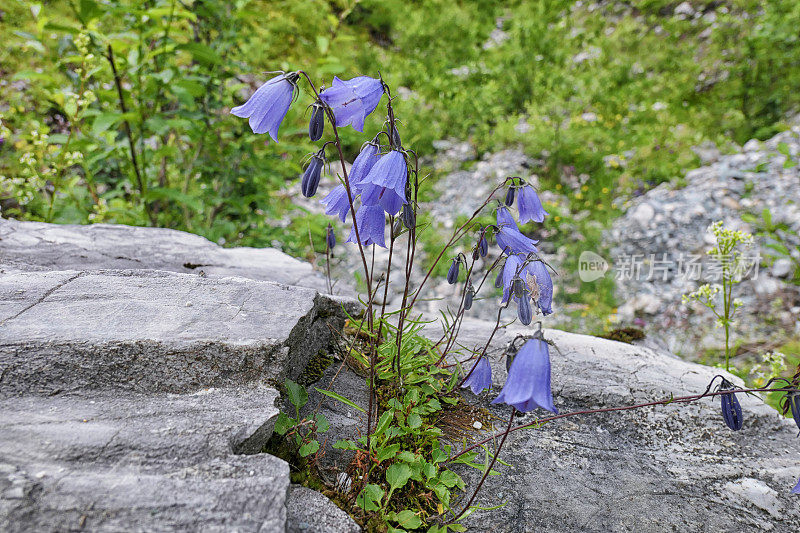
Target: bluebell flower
{"x": 269, "y": 104}
{"x": 540, "y": 285}
{"x": 353, "y": 100}
{"x": 312, "y": 175}
{"x": 386, "y": 183}
{"x": 528, "y": 383}
{"x": 371, "y": 225}
{"x": 452, "y": 273}
{"x": 731, "y": 411}
{"x": 364, "y": 162}
{"x": 508, "y": 236}
{"x": 481, "y": 377}
{"x": 796, "y": 489}
{"x": 530, "y": 207}
{"x": 316, "y": 126}
{"x": 511, "y": 271}
{"x": 330, "y": 238}
{"x": 337, "y": 203}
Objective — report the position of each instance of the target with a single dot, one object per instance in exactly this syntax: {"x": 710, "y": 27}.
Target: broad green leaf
{"x": 322, "y": 423}
{"x": 414, "y": 421}
{"x": 104, "y": 121}
{"x": 283, "y": 423}
{"x": 370, "y": 497}
{"x": 346, "y": 445}
{"x": 341, "y": 399}
{"x": 407, "y": 519}
{"x": 297, "y": 393}
{"x": 309, "y": 448}
{"x": 397, "y": 475}
{"x": 387, "y": 452}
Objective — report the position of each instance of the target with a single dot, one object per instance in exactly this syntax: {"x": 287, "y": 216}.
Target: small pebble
{"x": 477, "y": 425}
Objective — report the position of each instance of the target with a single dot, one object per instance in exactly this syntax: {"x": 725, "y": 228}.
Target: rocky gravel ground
{"x": 665, "y": 229}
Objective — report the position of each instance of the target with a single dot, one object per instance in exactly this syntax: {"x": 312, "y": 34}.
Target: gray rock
{"x": 782, "y": 268}
{"x": 155, "y": 331}
{"x": 41, "y": 246}
{"x": 130, "y": 462}
{"x": 310, "y": 512}
{"x": 670, "y": 468}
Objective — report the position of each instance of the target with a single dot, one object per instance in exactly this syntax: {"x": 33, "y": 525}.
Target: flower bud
{"x": 794, "y": 402}
{"x": 395, "y": 137}
{"x": 452, "y": 274}
{"x": 510, "y": 196}
{"x": 518, "y": 286}
{"x": 498, "y": 281}
{"x": 330, "y": 238}
{"x": 468, "y": 298}
{"x": 524, "y": 311}
{"x": 731, "y": 411}
{"x": 397, "y": 227}
{"x": 483, "y": 246}
{"x": 317, "y": 124}
{"x": 312, "y": 175}
{"x": 408, "y": 216}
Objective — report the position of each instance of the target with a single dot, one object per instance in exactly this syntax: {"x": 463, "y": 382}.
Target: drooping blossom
{"x": 528, "y": 383}
{"x": 337, "y": 203}
{"x": 385, "y": 184}
{"x": 510, "y": 196}
{"x": 511, "y": 270}
{"x": 481, "y": 377}
{"x": 796, "y": 489}
{"x": 509, "y": 238}
{"x": 794, "y": 403}
{"x": 353, "y": 100}
{"x": 371, "y": 225}
{"x": 529, "y": 205}
{"x": 540, "y": 285}
{"x": 269, "y": 104}
{"x": 364, "y": 162}
{"x": 313, "y": 174}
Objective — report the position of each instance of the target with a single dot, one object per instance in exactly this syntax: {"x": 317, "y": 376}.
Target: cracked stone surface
{"x": 42, "y": 246}
{"x": 310, "y": 512}
{"x": 670, "y": 468}
{"x": 155, "y": 331}
{"x": 111, "y": 461}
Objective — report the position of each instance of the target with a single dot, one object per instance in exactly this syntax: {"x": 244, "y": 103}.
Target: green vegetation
{"x": 610, "y": 97}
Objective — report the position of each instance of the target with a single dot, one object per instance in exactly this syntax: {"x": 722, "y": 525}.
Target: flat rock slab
{"x": 667, "y": 468}
{"x": 308, "y": 511}
{"x": 42, "y": 246}
{"x": 132, "y": 462}
{"x": 155, "y": 331}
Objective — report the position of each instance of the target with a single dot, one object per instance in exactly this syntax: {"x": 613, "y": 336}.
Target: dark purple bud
{"x": 330, "y": 238}
{"x": 317, "y": 124}
{"x": 794, "y": 402}
{"x": 524, "y": 311}
{"x": 510, "y": 196}
{"x": 483, "y": 246}
{"x": 498, "y": 281}
{"x": 468, "y": 298}
{"x": 312, "y": 175}
{"x": 731, "y": 411}
{"x": 518, "y": 286}
{"x": 397, "y": 227}
{"x": 452, "y": 274}
{"x": 409, "y": 216}
{"x": 395, "y": 137}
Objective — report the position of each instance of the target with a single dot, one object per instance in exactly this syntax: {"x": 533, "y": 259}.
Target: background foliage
{"x": 610, "y": 96}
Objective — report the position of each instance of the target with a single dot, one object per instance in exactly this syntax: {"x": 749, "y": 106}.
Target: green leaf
{"x": 89, "y": 11}
{"x": 345, "y": 445}
{"x": 297, "y": 393}
{"x": 322, "y": 423}
{"x": 104, "y": 121}
{"x": 341, "y": 399}
{"x": 201, "y": 53}
{"x": 414, "y": 421}
{"x": 406, "y": 456}
{"x": 450, "y": 479}
{"x": 407, "y": 519}
{"x": 383, "y": 423}
{"x": 397, "y": 475}
{"x": 309, "y": 448}
{"x": 283, "y": 423}
{"x": 370, "y": 497}
{"x": 387, "y": 452}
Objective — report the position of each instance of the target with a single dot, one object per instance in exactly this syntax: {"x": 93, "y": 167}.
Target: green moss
{"x": 627, "y": 335}
{"x": 314, "y": 369}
